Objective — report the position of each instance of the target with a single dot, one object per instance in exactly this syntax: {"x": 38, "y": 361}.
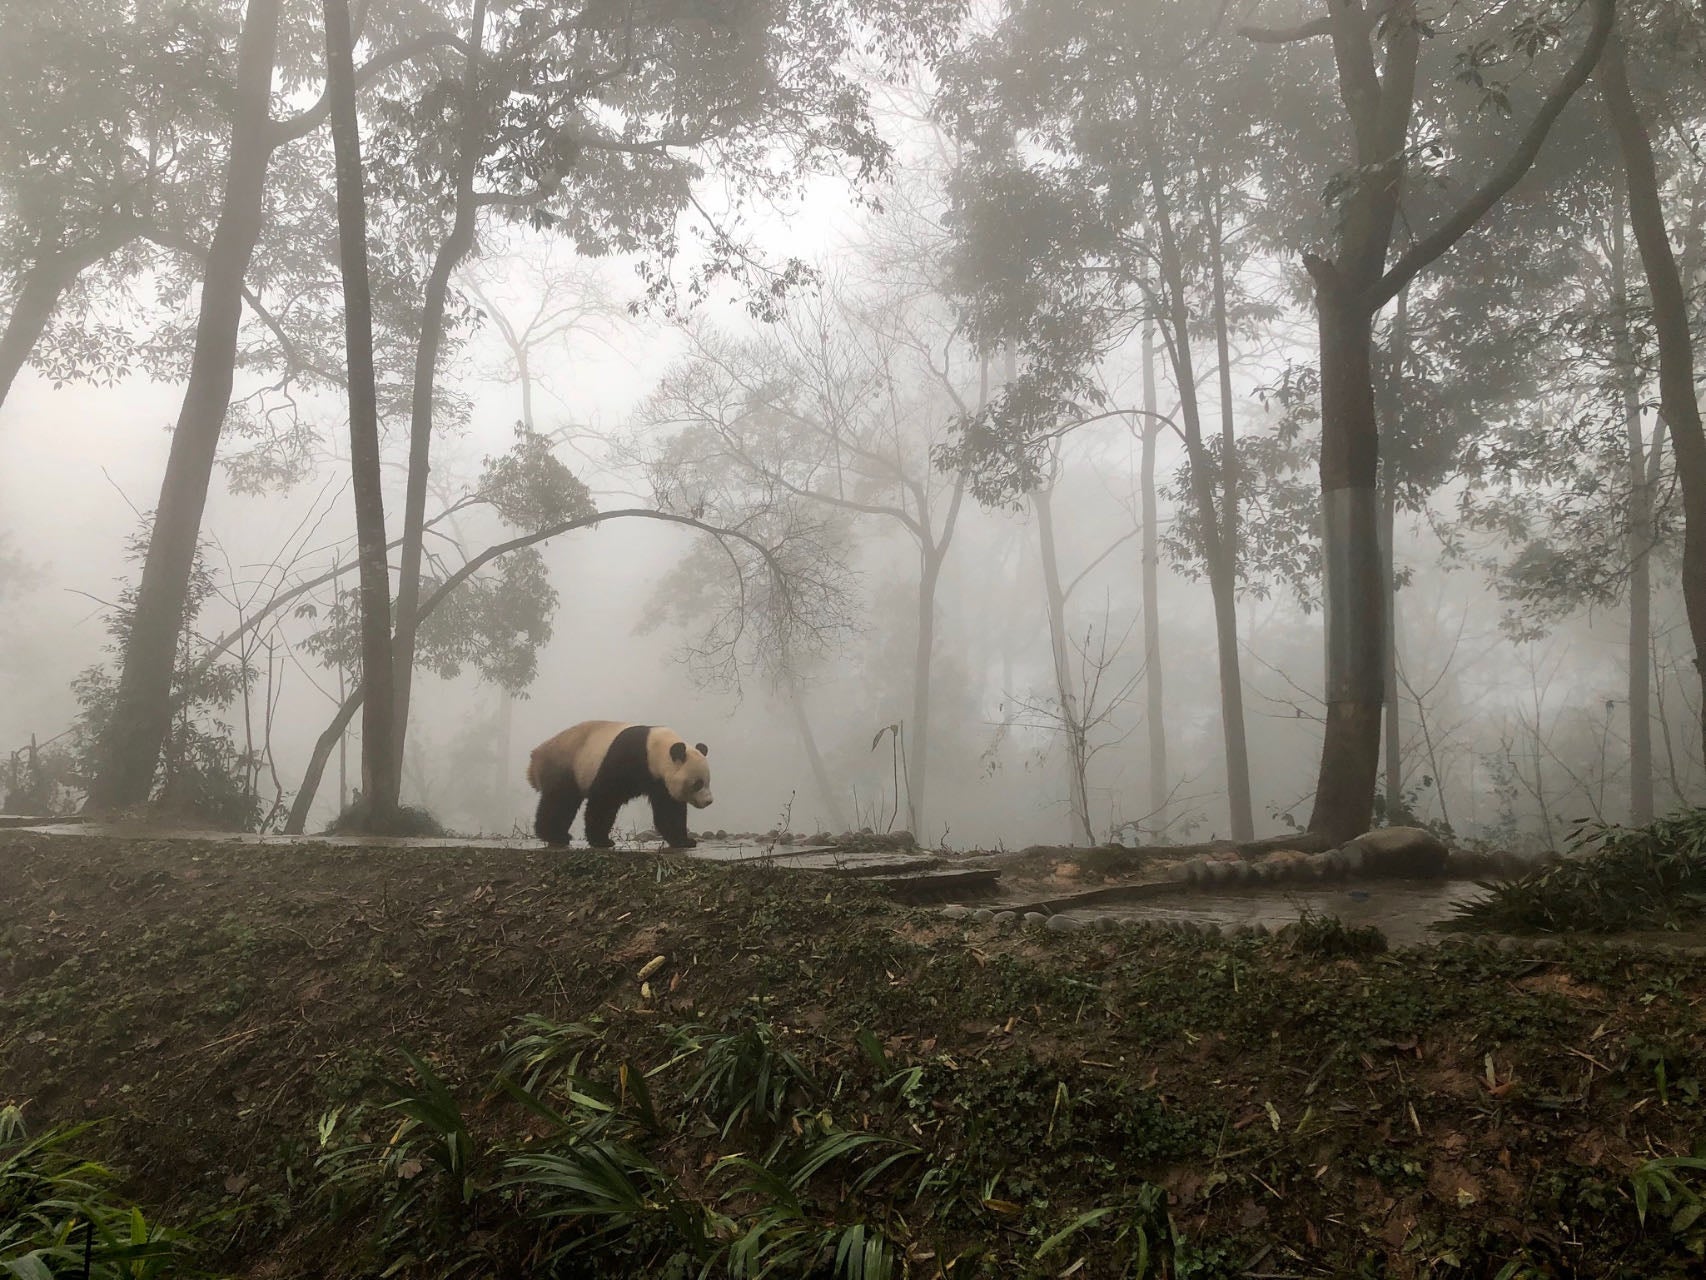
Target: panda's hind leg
{"x": 559, "y": 801}
{"x": 669, "y": 816}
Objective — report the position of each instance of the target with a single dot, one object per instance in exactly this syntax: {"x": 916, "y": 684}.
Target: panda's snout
{"x": 700, "y": 799}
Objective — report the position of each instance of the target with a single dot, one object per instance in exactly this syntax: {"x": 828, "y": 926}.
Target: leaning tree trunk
{"x": 44, "y": 284}
{"x": 1071, "y": 714}
{"x": 142, "y": 711}
{"x": 380, "y": 760}
{"x": 1677, "y": 402}
{"x": 53, "y": 272}
{"x": 450, "y": 254}
{"x": 1354, "y": 602}
{"x": 1154, "y": 703}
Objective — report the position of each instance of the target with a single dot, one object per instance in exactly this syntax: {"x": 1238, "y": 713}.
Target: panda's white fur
{"x": 607, "y": 763}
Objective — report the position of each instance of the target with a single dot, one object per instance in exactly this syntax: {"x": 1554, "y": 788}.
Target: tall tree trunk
{"x": 450, "y": 254}
{"x": 933, "y": 550}
{"x": 380, "y": 760}
{"x": 1677, "y": 402}
{"x": 500, "y": 755}
{"x": 143, "y": 708}
{"x": 1641, "y": 535}
{"x": 796, "y": 700}
{"x": 1071, "y": 714}
{"x": 918, "y": 732}
{"x": 1379, "y": 96}
{"x": 1154, "y": 703}
{"x": 1399, "y": 343}
{"x": 1355, "y": 604}
{"x": 1219, "y": 556}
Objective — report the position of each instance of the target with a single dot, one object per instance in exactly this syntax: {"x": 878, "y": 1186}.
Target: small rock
{"x": 1107, "y": 924}
{"x": 1006, "y": 917}
{"x": 1243, "y": 931}
{"x": 1260, "y": 930}
{"x": 1035, "y": 919}
{"x": 1354, "y": 859}
{"x": 1064, "y": 924}
{"x": 983, "y": 915}
{"x": 956, "y": 912}
{"x": 1211, "y": 930}
{"x": 1508, "y": 944}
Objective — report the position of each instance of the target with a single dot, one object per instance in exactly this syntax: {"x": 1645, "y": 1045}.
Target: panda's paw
{"x": 601, "y": 844}
{"x": 688, "y": 843}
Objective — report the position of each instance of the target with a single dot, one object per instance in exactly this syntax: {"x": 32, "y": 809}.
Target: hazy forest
{"x": 1222, "y": 426}
{"x": 1077, "y": 389}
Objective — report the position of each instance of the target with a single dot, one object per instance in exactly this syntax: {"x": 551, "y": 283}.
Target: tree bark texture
{"x": 143, "y": 708}
{"x": 451, "y": 252}
{"x": 380, "y": 759}
{"x": 1677, "y": 402}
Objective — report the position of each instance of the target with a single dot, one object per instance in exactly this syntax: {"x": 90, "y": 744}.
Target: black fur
{"x": 624, "y": 775}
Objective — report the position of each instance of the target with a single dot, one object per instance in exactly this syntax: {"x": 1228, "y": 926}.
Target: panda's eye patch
{"x": 698, "y": 785}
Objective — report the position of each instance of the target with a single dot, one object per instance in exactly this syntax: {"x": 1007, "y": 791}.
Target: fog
{"x": 1513, "y": 710}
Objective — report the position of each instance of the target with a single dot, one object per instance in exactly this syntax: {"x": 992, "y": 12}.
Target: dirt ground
{"x": 1451, "y": 1111}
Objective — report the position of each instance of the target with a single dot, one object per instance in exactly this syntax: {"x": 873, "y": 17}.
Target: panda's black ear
{"x": 701, "y": 748}
{"x": 678, "y": 752}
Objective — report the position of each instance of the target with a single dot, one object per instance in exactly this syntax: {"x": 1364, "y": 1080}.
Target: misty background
{"x": 832, "y": 414}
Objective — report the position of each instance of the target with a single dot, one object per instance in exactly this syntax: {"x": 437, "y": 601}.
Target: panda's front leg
{"x": 669, "y": 816}
{"x": 601, "y": 814}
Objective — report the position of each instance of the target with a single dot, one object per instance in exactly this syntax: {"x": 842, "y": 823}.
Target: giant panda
{"x": 607, "y": 763}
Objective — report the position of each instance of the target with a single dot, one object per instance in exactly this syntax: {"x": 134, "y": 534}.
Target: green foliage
{"x": 1326, "y": 937}
{"x": 408, "y": 821}
{"x": 748, "y": 1076}
{"x": 1651, "y": 877}
{"x": 584, "y": 1179}
{"x": 203, "y": 773}
{"x": 59, "y": 1216}
{"x": 495, "y": 621}
{"x": 531, "y": 488}
{"x": 1677, "y": 1186}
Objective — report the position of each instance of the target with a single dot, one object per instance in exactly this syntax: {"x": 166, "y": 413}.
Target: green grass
{"x": 1651, "y": 877}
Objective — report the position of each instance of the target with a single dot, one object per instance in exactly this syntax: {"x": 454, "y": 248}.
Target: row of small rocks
{"x": 1389, "y": 851}
{"x": 1105, "y": 924}
{"x": 864, "y": 837}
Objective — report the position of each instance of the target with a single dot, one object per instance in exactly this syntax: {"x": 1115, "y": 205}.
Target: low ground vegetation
{"x": 435, "y": 1063}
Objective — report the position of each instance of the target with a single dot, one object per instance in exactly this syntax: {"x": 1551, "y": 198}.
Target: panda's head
{"x": 687, "y": 775}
